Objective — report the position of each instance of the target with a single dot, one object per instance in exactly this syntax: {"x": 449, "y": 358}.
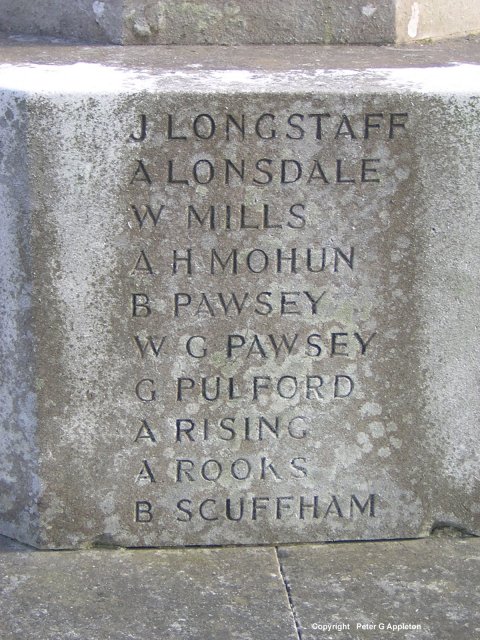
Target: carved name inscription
{"x": 253, "y": 337}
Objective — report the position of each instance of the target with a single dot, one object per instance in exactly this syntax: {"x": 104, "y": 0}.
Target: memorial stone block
{"x": 240, "y": 304}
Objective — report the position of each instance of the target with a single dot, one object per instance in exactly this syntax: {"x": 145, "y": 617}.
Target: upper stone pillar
{"x": 242, "y": 22}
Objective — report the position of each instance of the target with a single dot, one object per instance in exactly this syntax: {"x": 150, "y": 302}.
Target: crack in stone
{"x": 445, "y": 529}
{"x": 286, "y": 584}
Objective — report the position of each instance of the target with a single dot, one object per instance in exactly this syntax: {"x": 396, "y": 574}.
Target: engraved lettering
{"x": 141, "y": 174}
{"x": 145, "y": 391}
{"x": 143, "y": 511}
{"x": 148, "y": 214}
{"x": 140, "y": 305}
{"x": 145, "y": 474}
{"x": 143, "y": 130}
{"x": 149, "y": 344}
{"x": 143, "y": 264}
{"x": 145, "y": 433}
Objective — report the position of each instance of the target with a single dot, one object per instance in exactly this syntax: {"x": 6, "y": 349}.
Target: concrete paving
{"x": 139, "y": 594}
{"x": 424, "y": 589}
{"x": 408, "y": 590}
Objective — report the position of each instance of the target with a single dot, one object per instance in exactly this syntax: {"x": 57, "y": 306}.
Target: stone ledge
{"x": 34, "y": 50}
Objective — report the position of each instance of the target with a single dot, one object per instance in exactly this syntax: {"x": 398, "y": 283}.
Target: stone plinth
{"x": 246, "y": 22}
{"x": 240, "y": 302}
{"x": 434, "y": 19}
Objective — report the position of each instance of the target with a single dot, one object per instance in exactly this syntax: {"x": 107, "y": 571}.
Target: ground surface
{"x": 394, "y": 590}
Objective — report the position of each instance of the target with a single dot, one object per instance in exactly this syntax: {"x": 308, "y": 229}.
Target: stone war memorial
{"x": 239, "y": 272}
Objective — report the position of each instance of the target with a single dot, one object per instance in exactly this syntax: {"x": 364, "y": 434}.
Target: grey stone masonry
{"x": 240, "y": 298}
{"x": 242, "y": 22}
{"x": 410, "y": 590}
{"x": 173, "y": 594}
{"x": 403, "y": 590}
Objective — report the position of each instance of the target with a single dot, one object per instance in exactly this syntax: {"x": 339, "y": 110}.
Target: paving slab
{"x": 424, "y": 589}
{"x": 409, "y": 590}
{"x": 104, "y": 594}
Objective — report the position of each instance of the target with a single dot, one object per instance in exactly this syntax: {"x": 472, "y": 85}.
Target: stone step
{"x": 215, "y": 22}
{"x": 409, "y": 590}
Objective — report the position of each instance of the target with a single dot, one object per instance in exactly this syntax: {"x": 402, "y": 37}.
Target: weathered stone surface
{"x": 246, "y": 22}
{"x": 143, "y": 595}
{"x": 8, "y": 544}
{"x": 423, "y": 589}
{"x": 218, "y": 22}
{"x": 242, "y": 593}
{"x": 319, "y": 22}
{"x": 433, "y": 19}
{"x": 120, "y": 321}
{"x": 87, "y": 20}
